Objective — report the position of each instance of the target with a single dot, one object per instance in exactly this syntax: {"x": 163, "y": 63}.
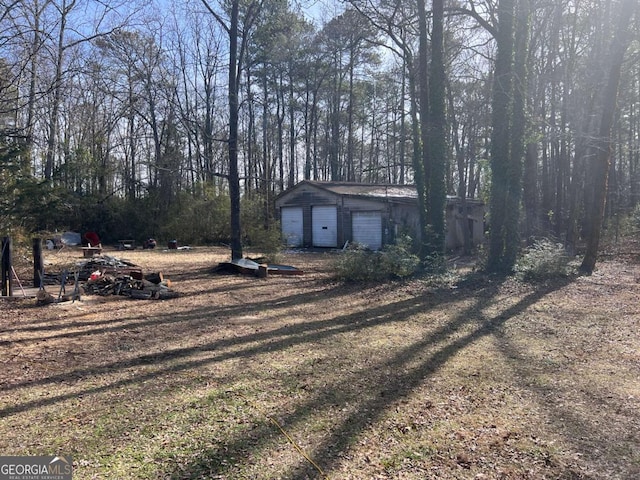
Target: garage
{"x": 292, "y": 226}
{"x": 324, "y": 226}
{"x": 367, "y": 229}
{"x": 329, "y": 214}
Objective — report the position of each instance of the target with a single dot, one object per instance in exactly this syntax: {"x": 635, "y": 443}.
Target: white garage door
{"x": 367, "y": 229}
{"x": 324, "y": 229}
{"x": 291, "y": 219}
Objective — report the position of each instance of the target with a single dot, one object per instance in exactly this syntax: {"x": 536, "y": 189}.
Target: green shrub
{"x": 398, "y": 260}
{"x": 630, "y": 223}
{"x": 544, "y": 259}
{"x": 260, "y": 231}
{"x": 358, "y": 264}
{"x": 266, "y": 240}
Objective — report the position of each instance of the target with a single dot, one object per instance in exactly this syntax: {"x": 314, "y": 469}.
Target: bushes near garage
{"x": 358, "y": 264}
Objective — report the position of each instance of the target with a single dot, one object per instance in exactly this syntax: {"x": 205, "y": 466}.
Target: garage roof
{"x": 369, "y": 190}
{"x": 374, "y": 191}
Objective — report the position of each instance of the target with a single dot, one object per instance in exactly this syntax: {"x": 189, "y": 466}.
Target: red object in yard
{"x": 149, "y": 243}
{"x": 173, "y": 245}
{"x": 92, "y": 239}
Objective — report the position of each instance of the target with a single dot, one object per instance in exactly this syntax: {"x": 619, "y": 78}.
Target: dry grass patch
{"x": 405, "y": 380}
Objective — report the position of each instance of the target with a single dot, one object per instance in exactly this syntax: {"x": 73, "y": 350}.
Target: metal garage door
{"x": 324, "y": 220}
{"x": 292, "y": 232}
{"x": 367, "y": 229}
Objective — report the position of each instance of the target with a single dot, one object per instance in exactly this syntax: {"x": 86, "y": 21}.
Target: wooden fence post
{"x": 7, "y": 279}
{"x": 38, "y": 264}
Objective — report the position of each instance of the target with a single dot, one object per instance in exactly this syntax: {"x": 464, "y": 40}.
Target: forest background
{"x": 115, "y": 116}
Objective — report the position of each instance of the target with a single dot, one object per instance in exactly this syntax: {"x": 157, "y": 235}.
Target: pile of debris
{"x": 107, "y": 275}
{"x": 151, "y": 287}
{"x": 107, "y": 265}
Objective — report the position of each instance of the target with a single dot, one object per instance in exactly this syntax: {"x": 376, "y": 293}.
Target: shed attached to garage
{"x": 329, "y": 214}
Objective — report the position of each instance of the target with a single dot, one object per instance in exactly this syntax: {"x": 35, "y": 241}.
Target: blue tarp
{"x": 71, "y": 238}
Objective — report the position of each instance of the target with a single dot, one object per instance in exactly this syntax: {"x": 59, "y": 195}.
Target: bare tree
{"x": 236, "y": 52}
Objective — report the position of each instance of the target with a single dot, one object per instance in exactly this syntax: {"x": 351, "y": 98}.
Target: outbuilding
{"x": 330, "y": 214}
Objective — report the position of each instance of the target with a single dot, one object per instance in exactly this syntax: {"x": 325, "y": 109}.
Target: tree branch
{"x": 476, "y": 16}
{"x": 216, "y": 16}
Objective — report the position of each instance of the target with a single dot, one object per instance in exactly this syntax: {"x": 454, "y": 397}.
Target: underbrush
{"x": 543, "y": 260}
{"x": 358, "y": 264}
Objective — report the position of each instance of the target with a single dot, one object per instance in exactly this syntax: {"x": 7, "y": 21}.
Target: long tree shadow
{"x": 314, "y": 288}
{"x": 179, "y": 359}
{"x": 413, "y": 364}
{"x": 580, "y": 428}
{"x": 317, "y": 290}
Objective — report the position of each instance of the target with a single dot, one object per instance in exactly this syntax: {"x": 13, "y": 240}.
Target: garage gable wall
{"x": 307, "y": 196}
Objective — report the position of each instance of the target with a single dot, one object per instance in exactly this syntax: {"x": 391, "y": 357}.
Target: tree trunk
{"x": 403, "y": 122}
{"x": 601, "y": 159}
{"x": 292, "y": 134}
{"x": 131, "y": 180}
{"x": 234, "y": 180}
{"x": 418, "y": 165}
{"x": 57, "y": 94}
{"x": 6, "y": 267}
{"x": 530, "y": 191}
{"x": 517, "y": 134}
{"x": 350, "y": 163}
{"x": 423, "y": 179}
{"x": 436, "y": 135}
{"x": 500, "y": 139}
{"x": 33, "y": 77}
{"x": 507, "y": 140}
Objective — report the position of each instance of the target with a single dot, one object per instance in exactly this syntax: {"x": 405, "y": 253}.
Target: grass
{"x": 240, "y": 378}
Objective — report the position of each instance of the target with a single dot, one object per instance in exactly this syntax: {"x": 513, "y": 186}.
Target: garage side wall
{"x": 405, "y": 220}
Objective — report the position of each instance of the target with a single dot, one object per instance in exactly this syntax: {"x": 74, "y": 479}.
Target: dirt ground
{"x": 295, "y": 377}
